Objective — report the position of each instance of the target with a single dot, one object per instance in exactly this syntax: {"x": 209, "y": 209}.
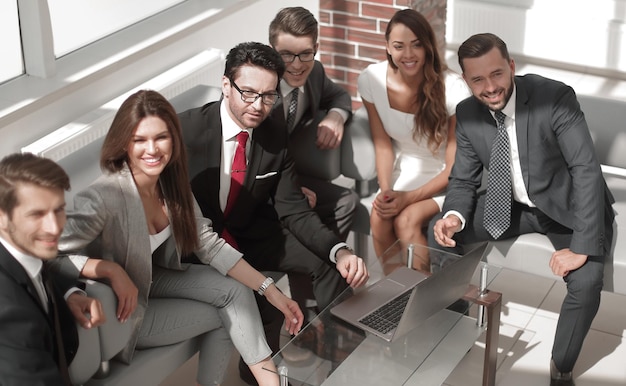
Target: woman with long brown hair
{"x": 410, "y": 99}
{"x": 139, "y": 224}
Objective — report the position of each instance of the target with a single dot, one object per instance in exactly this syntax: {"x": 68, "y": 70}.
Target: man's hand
{"x": 310, "y": 196}
{"x": 330, "y": 131}
{"x": 445, "y": 228}
{"x": 564, "y": 261}
{"x": 352, "y": 268}
{"x": 80, "y": 305}
{"x": 293, "y": 315}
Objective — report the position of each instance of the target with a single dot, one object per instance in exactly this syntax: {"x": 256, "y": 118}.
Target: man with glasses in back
{"x": 245, "y": 181}
{"x": 314, "y": 110}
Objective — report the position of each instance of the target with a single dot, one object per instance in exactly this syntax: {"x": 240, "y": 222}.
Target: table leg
{"x": 492, "y": 301}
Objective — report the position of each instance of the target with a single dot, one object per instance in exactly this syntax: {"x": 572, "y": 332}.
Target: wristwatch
{"x": 266, "y": 283}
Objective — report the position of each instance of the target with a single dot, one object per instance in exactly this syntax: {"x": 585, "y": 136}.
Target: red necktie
{"x": 237, "y": 175}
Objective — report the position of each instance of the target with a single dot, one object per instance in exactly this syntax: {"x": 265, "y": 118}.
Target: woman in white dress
{"x": 411, "y": 100}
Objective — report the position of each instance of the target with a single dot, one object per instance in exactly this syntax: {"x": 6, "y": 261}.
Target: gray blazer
{"x": 560, "y": 169}
{"x": 109, "y": 222}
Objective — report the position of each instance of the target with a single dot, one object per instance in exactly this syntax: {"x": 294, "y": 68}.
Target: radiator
{"x": 203, "y": 68}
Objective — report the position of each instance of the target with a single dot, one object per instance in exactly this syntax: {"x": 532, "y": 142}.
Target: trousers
{"x": 584, "y": 285}
{"x": 201, "y": 301}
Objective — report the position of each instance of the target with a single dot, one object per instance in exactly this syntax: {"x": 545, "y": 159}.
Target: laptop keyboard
{"x": 386, "y": 317}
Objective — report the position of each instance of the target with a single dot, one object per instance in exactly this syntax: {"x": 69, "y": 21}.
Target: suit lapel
{"x": 138, "y": 259}
{"x": 15, "y": 270}
{"x": 213, "y": 151}
{"x": 521, "y": 127}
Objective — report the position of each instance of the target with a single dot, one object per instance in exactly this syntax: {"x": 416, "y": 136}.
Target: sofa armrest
{"x": 87, "y": 360}
{"x": 358, "y": 159}
{"x": 113, "y": 335}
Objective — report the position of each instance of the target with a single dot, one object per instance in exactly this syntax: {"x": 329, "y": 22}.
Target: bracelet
{"x": 266, "y": 283}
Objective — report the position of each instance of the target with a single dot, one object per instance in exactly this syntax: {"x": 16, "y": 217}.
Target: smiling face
{"x": 249, "y": 78}
{"x": 150, "y": 148}
{"x": 490, "y": 77}
{"x": 297, "y": 71}
{"x": 36, "y": 222}
{"x": 406, "y": 50}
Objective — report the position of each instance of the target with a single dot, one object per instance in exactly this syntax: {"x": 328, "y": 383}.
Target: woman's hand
{"x": 293, "y": 315}
{"x": 126, "y": 292}
{"x": 389, "y": 203}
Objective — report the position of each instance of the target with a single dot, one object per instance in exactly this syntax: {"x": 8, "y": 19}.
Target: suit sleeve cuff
{"x": 335, "y": 249}
{"x": 457, "y": 214}
{"x": 344, "y": 114}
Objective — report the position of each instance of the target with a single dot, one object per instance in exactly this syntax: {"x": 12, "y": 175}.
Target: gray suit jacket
{"x": 560, "y": 169}
{"x": 109, "y": 222}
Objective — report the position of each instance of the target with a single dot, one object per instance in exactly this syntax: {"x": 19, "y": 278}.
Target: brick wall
{"x": 352, "y": 34}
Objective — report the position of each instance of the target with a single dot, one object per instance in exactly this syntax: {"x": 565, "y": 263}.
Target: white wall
{"x": 580, "y": 35}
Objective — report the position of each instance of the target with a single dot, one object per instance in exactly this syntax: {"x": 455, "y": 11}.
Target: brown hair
{"x": 28, "y": 168}
{"x": 296, "y": 21}
{"x": 431, "y": 117}
{"x": 479, "y": 44}
{"x": 174, "y": 181}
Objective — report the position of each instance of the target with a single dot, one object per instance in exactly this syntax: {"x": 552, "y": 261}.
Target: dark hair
{"x": 256, "y": 54}
{"x": 431, "y": 117}
{"x": 296, "y": 21}
{"x": 174, "y": 181}
{"x": 28, "y": 168}
{"x": 479, "y": 44}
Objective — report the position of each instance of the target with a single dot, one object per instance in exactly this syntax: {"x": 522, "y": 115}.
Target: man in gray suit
{"x": 555, "y": 184}
{"x": 319, "y": 111}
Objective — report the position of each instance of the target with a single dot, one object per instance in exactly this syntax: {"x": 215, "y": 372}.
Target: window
{"x": 11, "y": 64}
{"x": 76, "y": 23}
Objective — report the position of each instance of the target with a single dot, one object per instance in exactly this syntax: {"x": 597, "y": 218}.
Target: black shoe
{"x": 558, "y": 378}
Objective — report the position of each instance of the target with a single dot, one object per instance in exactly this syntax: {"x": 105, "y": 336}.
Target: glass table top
{"x": 330, "y": 351}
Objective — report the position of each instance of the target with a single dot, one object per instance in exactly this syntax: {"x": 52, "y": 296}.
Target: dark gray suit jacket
{"x": 560, "y": 169}
{"x": 270, "y": 192}
{"x": 322, "y": 94}
{"x": 28, "y": 349}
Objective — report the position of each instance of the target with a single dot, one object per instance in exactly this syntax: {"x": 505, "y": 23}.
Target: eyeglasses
{"x": 251, "y": 96}
{"x": 306, "y": 56}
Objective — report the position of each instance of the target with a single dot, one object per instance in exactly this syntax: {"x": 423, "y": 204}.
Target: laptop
{"x": 402, "y": 300}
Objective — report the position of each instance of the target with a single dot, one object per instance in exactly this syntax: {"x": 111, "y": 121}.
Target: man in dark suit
{"x": 33, "y": 311}
{"x": 321, "y": 107}
{"x": 270, "y": 222}
{"x": 315, "y": 121}
{"x": 554, "y": 181}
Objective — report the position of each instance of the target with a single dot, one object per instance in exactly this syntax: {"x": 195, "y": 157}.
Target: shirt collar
{"x": 285, "y": 88}
{"x": 509, "y": 109}
{"x": 32, "y": 265}
{"x": 230, "y": 128}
